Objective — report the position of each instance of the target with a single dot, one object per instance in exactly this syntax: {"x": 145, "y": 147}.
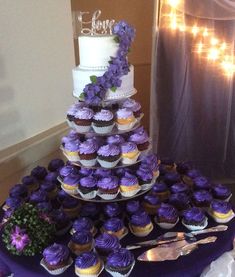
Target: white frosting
{"x": 95, "y": 51}
{"x": 81, "y": 77}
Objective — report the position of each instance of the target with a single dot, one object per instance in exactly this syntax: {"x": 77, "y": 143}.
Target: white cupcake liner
{"x": 155, "y": 176}
{"x": 221, "y": 220}
{"x": 71, "y": 158}
{"x": 118, "y": 274}
{"x": 104, "y": 129}
{"x": 70, "y": 191}
{"x": 107, "y": 196}
{"x": 89, "y": 195}
{"x": 88, "y": 162}
{"x": 130, "y": 193}
{"x": 70, "y": 123}
{"x": 63, "y": 231}
{"x": 129, "y": 161}
{"x": 147, "y": 186}
{"x": 91, "y": 275}
{"x": 107, "y": 164}
{"x": 126, "y": 127}
{"x": 5, "y": 207}
{"x": 81, "y": 129}
{"x": 165, "y": 225}
{"x": 196, "y": 227}
{"x": 56, "y": 271}
{"x": 141, "y": 234}
{"x": 226, "y": 200}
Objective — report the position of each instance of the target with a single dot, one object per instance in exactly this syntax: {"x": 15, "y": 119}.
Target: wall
{"x": 36, "y": 59}
{"x": 140, "y": 15}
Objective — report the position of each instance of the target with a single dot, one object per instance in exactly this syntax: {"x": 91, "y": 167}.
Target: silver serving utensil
{"x": 173, "y": 250}
{"x": 170, "y": 237}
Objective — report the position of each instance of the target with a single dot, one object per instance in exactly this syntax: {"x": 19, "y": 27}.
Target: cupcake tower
{"x": 108, "y": 149}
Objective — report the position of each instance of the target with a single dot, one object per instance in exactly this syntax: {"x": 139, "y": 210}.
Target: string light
{"x": 199, "y": 47}
{"x": 195, "y": 30}
{"x": 173, "y": 3}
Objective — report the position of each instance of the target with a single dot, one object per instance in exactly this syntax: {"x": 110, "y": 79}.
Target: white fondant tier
{"x": 95, "y": 51}
{"x": 81, "y": 77}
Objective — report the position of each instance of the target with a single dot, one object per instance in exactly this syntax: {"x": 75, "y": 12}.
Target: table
{"x": 186, "y": 266}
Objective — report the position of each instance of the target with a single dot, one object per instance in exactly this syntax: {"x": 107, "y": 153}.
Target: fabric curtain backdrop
{"x": 192, "y": 102}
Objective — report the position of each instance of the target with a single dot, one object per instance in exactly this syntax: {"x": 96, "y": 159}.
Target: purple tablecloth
{"x": 186, "y": 266}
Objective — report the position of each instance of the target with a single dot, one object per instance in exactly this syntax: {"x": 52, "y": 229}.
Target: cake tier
{"x": 95, "y": 51}
{"x": 81, "y": 77}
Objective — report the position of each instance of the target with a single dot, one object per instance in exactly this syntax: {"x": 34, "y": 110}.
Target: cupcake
{"x": 50, "y": 189}
{"x": 81, "y": 242}
{"x": 179, "y": 188}
{"x": 202, "y": 198}
{"x": 83, "y": 224}
{"x": 88, "y": 152}
{"x": 18, "y": 191}
{"x": 62, "y": 222}
{"x": 108, "y": 187}
{"x": 221, "y": 192}
{"x": 12, "y": 203}
{"x": 71, "y": 136}
{"x": 71, "y": 150}
{"x": 180, "y": 201}
{"x": 71, "y": 207}
{"x": 86, "y": 171}
{"x": 70, "y": 183}
{"x": 102, "y": 172}
{"x": 167, "y": 216}
{"x": 55, "y": 165}
{"x": 30, "y": 182}
{"x": 166, "y": 166}
{"x": 129, "y": 185}
{"x": 120, "y": 263}
{"x": 133, "y": 207}
{"x": 152, "y": 162}
{"x": 140, "y": 224}
{"x": 61, "y": 195}
{"x": 201, "y": 183}
{"x": 115, "y": 139}
{"x": 171, "y": 178}
{"x": 56, "y": 258}
{"x": 132, "y": 105}
{"x": 109, "y": 155}
{"x": 194, "y": 219}
{"x": 221, "y": 211}
{"x": 38, "y": 196}
{"x": 130, "y": 153}
{"x": 106, "y": 244}
{"x": 151, "y": 203}
{"x": 83, "y": 119}
{"x": 114, "y": 226}
{"x": 145, "y": 177}
{"x": 71, "y": 115}
{"x": 189, "y": 176}
{"x": 39, "y": 172}
{"x": 88, "y": 187}
{"x": 90, "y": 210}
{"x": 44, "y": 206}
{"x": 52, "y": 177}
{"x": 140, "y": 138}
{"x": 103, "y": 122}
{"x": 183, "y": 167}
{"x": 67, "y": 170}
{"x": 88, "y": 264}
{"x": 125, "y": 119}
{"x": 121, "y": 171}
{"x": 112, "y": 210}
{"x": 161, "y": 191}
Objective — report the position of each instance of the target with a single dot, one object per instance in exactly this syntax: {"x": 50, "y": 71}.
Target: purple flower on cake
{"x": 19, "y": 238}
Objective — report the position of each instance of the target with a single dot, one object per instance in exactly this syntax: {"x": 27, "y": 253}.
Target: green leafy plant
{"x": 28, "y": 231}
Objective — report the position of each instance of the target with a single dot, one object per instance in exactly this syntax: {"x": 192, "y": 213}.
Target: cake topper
{"x": 95, "y": 26}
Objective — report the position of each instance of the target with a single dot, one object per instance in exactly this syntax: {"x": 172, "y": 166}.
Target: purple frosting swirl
{"x": 86, "y": 260}
{"x": 128, "y": 180}
{"x": 103, "y": 115}
{"x": 202, "y": 195}
{"x": 86, "y": 171}
{"x": 171, "y": 178}
{"x": 193, "y": 173}
{"x": 55, "y": 254}
{"x": 152, "y": 200}
{"x": 66, "y": 170}
{"x": 61, "y": 195}
{"x": 88, "y": 182}
{"x": 179, "y": 187}
{"x": 220, "y": 190}
{"x": 120, "y": 172}
{"x": 102, "y": 172}
{"x": 60, "y": 217}
{"x": 52, "y": 177}
{"x": 72, "y": 146}
{"x": 70, "y": 202}
{"x": 13, "y": 202}
{"x": 127, "y": 147}
{"x": 71, "y": 111}
{"x": 183, "y": 167}
{"x": 71, "y": 180}
{"x": 107, "y": 241}
{"x": 46, "y": 186}
{"x": 221, "y": 206}
{"x": 167, "y": 211}
{"x": 113, "y": 224}
{"x": 88, "y": 147}
{"x": 133, "y": 206}
{"x": 39, "y": 172}
{"x": 145, "y": 174}
{"x": 194, "y": 214}
{"x": 18, "y": 190}
{"x": 139, "y": 137}
{"x": 140, "y": 219}
{"x": 28, "y": 180}
{"x": 120, "y": 258}
{"x": 201, "y": 183}
{"x": 109, "y": 150}
{"x": 115, "y": 139}
{"x": 82, "y": 224}
{"x": 110, "y": 182}
{"x": 179, "y": 199}
{"x": 132, "y": 105}
{"x": 159, "y": 187}
{"x": 55, "y": 165}
{"x": 90, "y": 210}
{"x": 124, "y": 113}
{"x": 82, "y": 237}
{"x": 38, "y": 196}
{"x": 112, "y": 210}
{"x": 44, "y": 206}
{"x": 84, "y": 113}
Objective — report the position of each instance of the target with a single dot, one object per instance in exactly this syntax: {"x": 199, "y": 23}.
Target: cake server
{"x": 176, "y": 236}
{"x": 172, "y": 251}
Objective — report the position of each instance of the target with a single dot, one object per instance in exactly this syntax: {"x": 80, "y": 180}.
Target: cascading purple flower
{"x": 19, "y": 238}
{"x": 95, "y": 91}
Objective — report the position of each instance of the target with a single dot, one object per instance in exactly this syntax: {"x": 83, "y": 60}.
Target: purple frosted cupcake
{"x": 52, "y": 177}
{"x": 161, "y": 191}
{"x": 88, "y": 187}
{"x": 180, "y": 201}
{"x": 88, "y": 152}
{"x": 201, "y": 183}
{"x": 120, "y": 262}
{"x": 133, "y": 207}
{"x": 167, "y": 216}
{"x": 152, "y": 162}
{"x": 38, "y": 196}
{"x": 183, "y": 167}
{"x": 151, "y": 203}
{"x": 44, "y": 206}
{"x": 18, "y": 191}
{"x": 130, "y": 153}
{"x": 55, "y": 165}
{"x": 106, "y": 244}
{"x": 86, "y": 171}
{"x": 132, "y": 105}
{"x": 12, "y": 203}
{"x": 140, "y": 224}
{"x": 67, "y": 170}
{"x": 103, "y": 122}
{"x": 61, "y": 195}
{"x": 125, "y": 119}
{"x": 30, "y": 182}
{"x": 70, "y": 183}
{"x": 221, "y": 211}
{"x": 50, "y": 189}
{"x": 202, "y": 198}
{"x": 179, "y": 188}
{"x": 83, "y": 224}
{"x": 90, "y": 210}
{"x": 71, "y": 207}
{"x": 108, "y": 187}
{"x": 145, "y": 177}
{"x": 112, "y": 210}
{"x": 189, "y": 176}
{"x": 140, "y": 138}
{"x": 102, "y": 172}
{"x": 221, "y": 192}
{"x": 81, "y": 242}
{"x": 71, "y": 114}
{"x": 61, "y": 220}
{"x": 88, "y": 263}
{"x": 115, "y": 139}
{"x": 114, "y": 226}
{"x": 120, "y": 172}
{"x": 129, "y": 185}
{"x": 171, "y": 178}
{"x": 56, "y": 256}
{"x": 39, "y": 172}
{"x": 166, "y": 166}
{"x": 71, "y": 150}
{"x": 71, "y": 136}
{"x": 109, "y": 155}
{"x": 83, "y": 119}
{"x": 194, "y": 219}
